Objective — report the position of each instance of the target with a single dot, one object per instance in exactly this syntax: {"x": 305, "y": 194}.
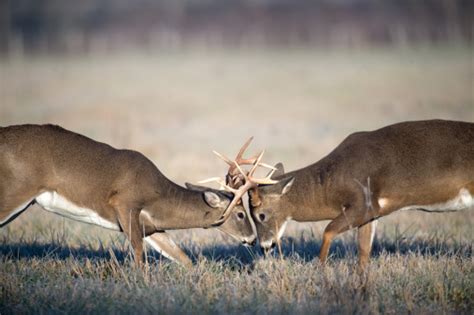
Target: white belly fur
{"x": 53, "y": 202}
{"x": 464, "y": 200}
{"x": 157, "y": 247}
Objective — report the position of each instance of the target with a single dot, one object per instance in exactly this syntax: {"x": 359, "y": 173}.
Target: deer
{"x": 88, "y": 181}
{"x": 419, "y": 165}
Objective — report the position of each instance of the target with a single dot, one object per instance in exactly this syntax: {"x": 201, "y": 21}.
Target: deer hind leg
{"x": 130, "y": 225}
{"x": 162, "y": 243}
{"x": 366, "y": 235}
{"x": 7, "y": 216}
{"x": 13, "y": 201}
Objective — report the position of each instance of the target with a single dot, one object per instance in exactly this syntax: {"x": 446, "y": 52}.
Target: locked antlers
{"x": 237, "y": 180}
{"x": 233, "y": 177}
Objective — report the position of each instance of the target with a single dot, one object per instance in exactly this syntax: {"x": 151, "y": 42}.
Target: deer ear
{"x": 287, "y": 184}
{"x": 222, "y": 193}
{"x": 282, "y": 187}
{"x": 215, "y": 200}
{"x": 195, "y": 187}
{"x": 280, "y": 170}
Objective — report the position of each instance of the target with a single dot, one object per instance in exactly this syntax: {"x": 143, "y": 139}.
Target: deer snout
{"x": 267, "y": 247}
{"x": 250, "y": 241}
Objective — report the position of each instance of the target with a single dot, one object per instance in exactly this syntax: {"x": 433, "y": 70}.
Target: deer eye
{"x": 262, "y": 217}
{"x": 240, "y": 215}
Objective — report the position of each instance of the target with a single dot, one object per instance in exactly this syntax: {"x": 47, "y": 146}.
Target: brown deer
{"x": 420, "y": 165}
{"x": 92, "y": 182}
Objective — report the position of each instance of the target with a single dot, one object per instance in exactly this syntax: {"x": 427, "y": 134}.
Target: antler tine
{"x": 243, "y": 148}
{"x": 264, "y": 181}
{"x": 249, "y": 160}
{"x": 228, "y": 188}
{"x": 257, "y": 162}
{"x": 220, "y": 181}
{"x": 238, "y": 195}
{"x": 208, "y": 180}
{"x": 269, "y": 176}
{"x": 223, "y": 157}
{"x": 267, "y": 166}
{"x": 227, "y": 211}
{"x": 241, "y": 171}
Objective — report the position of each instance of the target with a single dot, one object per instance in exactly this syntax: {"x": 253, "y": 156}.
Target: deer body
{"x": 92, "y": 182}
{"x": 423, "y": 165}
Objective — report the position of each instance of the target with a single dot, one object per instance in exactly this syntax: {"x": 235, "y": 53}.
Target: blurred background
{"x": 90, "y": 26}
{"x": 175, "y": 79}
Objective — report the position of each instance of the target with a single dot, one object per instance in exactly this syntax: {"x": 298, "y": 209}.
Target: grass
{"x": 422, "y": 263}
{"x": 47, "y": 285}
{"x": 176, "y": 108}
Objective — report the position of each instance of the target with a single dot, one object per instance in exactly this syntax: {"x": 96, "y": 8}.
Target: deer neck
{"x": 179, "y": 208}
{"x": 307, "y": 199}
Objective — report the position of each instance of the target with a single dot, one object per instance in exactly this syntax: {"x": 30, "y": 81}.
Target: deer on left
{"x": 88, "y": 181}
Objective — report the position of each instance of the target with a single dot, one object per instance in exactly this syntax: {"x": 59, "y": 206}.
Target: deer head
{"x": 238, "y": 224}
{"x": 239, "y": 181}
{"x": 269, "y": 214}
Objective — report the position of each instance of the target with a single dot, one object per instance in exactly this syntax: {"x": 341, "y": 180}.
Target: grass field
{"x": 176, "y": 108}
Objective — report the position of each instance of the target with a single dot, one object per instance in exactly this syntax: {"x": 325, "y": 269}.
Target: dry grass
{"x": 422, "y": 264}
{"x": 176, "y": 108}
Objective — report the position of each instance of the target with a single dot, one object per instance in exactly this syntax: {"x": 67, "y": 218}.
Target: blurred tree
{"x": 77, "y": 26}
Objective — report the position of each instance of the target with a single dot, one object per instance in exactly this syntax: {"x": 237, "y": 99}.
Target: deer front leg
{"x": 162, "y": 243}
{"x": 130, "y": 224}
{"x": 366, "y": 235}
{"x": 345, "y": 221}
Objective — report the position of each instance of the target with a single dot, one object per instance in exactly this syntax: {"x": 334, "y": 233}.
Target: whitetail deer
{"x": 420, "y": 165}
{"x": 79, "y": 178}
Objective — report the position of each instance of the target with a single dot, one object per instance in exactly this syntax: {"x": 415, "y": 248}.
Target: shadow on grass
{"x": 309, "y": 250}
{"x": 58, "y": 251}
{"x": 231, "y": 255}
{"x": 237, "y": 256}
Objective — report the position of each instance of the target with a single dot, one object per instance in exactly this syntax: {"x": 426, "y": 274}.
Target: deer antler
{"x": 220, "y": 181}
{"x": 237, "y": 180}
{"x": 249, "y": 182}
{"x": 232, "y": 172}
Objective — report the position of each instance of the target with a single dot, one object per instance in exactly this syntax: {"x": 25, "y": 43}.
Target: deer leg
{"x": 130, "y": 225}
{"x": 162, "y": 243}
{"x": 328, "y": 236}
{"x": 9, "y": 213}
{"x": 342, "y": 223}
{"x": 13, "y": 201}
{"x": 366, "y": 235}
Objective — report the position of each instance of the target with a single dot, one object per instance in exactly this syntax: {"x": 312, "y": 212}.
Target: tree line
{"x": 88, "y": 25}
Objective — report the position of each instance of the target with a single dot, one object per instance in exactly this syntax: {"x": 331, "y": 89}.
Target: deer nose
{"x": 266, "y": 250}
{"x": 248, "y": 242}
{"x": 267, "y": 247}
